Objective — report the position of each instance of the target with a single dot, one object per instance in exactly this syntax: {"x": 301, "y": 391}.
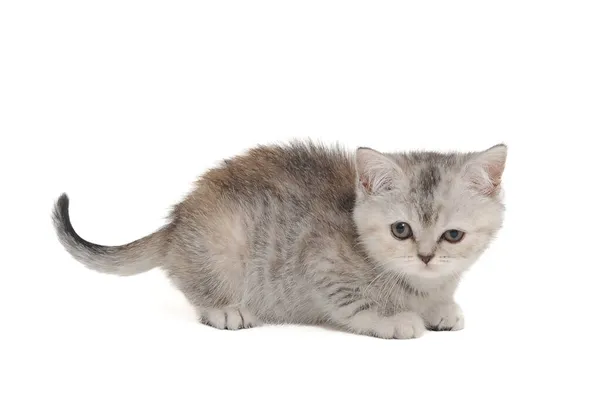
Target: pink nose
{"x": 426, "y": 258}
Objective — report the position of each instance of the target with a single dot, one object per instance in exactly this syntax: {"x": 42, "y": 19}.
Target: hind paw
{"x": 230, "y": 318}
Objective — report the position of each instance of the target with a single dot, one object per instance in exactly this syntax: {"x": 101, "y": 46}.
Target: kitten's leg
{"x": 215, "y": 305}
{"x": 352, "y": 311}
{"x": 232, "y": 318}
{"x": 444, "y": 317}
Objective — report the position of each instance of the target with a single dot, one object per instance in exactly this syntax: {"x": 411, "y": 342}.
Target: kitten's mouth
{"x": 431, "y": 270}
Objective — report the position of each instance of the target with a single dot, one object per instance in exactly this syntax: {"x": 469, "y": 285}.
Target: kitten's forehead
{"x": 430, "y": 175}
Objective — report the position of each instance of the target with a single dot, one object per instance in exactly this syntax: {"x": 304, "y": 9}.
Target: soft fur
{"x": 301, "y": 233}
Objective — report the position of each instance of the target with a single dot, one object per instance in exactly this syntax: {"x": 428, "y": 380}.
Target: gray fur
{"x": 300, "y": 233}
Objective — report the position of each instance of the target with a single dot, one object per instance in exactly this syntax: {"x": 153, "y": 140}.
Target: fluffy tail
{"x": 136, "y": 257}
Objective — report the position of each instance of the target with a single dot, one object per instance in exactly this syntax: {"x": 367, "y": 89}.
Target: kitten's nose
{"x": 426, "y": 258}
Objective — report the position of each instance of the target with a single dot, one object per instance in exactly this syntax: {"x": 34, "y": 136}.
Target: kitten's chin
{"x": 426, "y": 272}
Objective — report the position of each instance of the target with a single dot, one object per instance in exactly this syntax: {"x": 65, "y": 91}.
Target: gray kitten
{"x": 372, "y": 243}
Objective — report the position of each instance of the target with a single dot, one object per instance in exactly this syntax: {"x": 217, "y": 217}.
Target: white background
{"x": 122, "y": 104}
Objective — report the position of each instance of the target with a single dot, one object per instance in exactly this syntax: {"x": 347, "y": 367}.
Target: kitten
{"x": 372, "y": 243}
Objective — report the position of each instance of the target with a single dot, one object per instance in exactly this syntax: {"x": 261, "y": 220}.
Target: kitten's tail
{"x": 136, "y": 257}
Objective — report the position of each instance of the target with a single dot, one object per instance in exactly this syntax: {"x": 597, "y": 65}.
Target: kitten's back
{"x": 306, "y": 174}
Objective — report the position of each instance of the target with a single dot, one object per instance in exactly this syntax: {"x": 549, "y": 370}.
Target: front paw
{"x": 408, "y": 325}
{"x": 445, "y": 317}
{"x": 405, "y": 325}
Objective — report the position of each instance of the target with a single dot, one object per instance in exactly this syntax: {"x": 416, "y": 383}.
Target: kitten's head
{"x": 426, "y": 214}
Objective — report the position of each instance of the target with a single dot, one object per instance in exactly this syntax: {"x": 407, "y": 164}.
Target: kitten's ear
{"x": 375, "y": 171}
{"x": 484, "y": 171}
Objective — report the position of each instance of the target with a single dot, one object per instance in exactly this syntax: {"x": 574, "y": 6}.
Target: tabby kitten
{"x": 372, "y": 243}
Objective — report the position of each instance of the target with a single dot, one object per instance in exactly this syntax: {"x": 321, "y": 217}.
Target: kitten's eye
{"x": 401, "y": 230}
{"x": 453, "y": 235}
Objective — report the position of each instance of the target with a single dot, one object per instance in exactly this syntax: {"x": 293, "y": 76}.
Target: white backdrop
{"x": 122, "y": 104}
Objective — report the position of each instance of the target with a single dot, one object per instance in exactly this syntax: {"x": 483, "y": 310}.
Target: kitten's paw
{"x": 445, "y": 317}
{"x": 405, "y": 325}
{"x": 230, "y": 318}
{"x": 408, "y": 325}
